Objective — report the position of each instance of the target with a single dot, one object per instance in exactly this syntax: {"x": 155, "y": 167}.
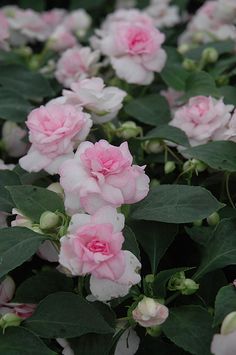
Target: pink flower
{"x": 101, "y": 174}
{"x": 134, "y": 49}
{"x": 78, "y": 21}
{"x": 172, "y": 96}
{"x": 76, "y": 63}
{"x": 225, "y": 342}
{"x": 163, "y": 14}
{"x": 66, "y": 346}
{"x": 102, "y": 102}
{"x": 105, "y": 289}
{"x": 12, "y": 138}
{"x": 53, "y": 18}
{"x": 4, "y": 166}
{"x": 93, "y": 245}
{"x": 4, "y": 30}
{"x": 54, "y": 131}
{"x": 128, "y": 343}
{"x": 61, "y": 39}
{"x": 202, "y": 119}
{"x": 149, "y": 313}
{"x": 7, "y": 290}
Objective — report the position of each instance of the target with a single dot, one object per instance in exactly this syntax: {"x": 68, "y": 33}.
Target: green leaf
{"x": 30, "y": 85}
{"x": 189, "y": 327}
{"x": 88, "y": 4}
{"x": 200, "y": 235}
{"x": 150, "y": 345}
{"x": 221, "y": 249}
{"x": 220, "y": 155}
{"x": 7, "y": 177}
{"x": 32, "y": 201}
{"x": 155, "y": 238}
{"x": 21, "y": 341}
{"x": 17, "y": 245}
{"x": 229, "y": 94}
{"x": 66, "y": 315}
{"x": 91, "y": 344}
{"x": 225, "y": 303}
{"x": 161, "y": 279}
{"x": 38, "y": 5}
{"x": 176, "y": 204}
{"x": 175, "y": 76}
{"x": 169, "y": 133}
{"x": 37, "y": 287}
{"x": 152, "y": 110}
{"x": 201, "y": 83}
{"x": 130, "y": 242}
{"x": 210, "y": 285}
{"x": 13, "y": 107}
{"x": 221, "y": 47}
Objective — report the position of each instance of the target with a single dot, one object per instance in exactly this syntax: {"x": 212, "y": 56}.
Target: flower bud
{"x": 176, "y": 281}
{"x": 189, "y": 64}
{"x": 150, "y": 312}
{"x": 154, "y": 182}
{"x": 183, "y": 48}
{"x": 197, "y": 223}
{"x": 199, "y": 166}
{"x": 169, "y": 167}
{"x": 49, "y": 220}
{"x": 128, "y": 130}
{"x": 229, "y": 324}
{"x": 10, "y": 320}
{"x": 57, "y": 188}
{"x": 210, "y": 55}
{"x": 213, "y": 219}
{"x": 7, "y": 289}
{"x": 153, "y": 146}
{"x": 189, "y": 287}
{"x": 198, "y": 37}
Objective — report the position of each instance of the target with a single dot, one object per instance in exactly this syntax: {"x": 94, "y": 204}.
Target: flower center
{"x": 98, "y": 246}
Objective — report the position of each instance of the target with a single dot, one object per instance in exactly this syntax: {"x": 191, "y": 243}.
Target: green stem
{"x": 172, "y": 298}
{"x": 227, "y": 190}
{"x": 173, "y": 154}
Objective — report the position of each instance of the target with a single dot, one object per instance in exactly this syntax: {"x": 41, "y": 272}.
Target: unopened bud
{"x": 128, "y": 130}
{"x": 189, "y": 287}
{"x": 49, "y": 220}
{"x": 169, "y": 167}
{"x": 183, "y": 48}
{"x": 10, "y": 320}
{"x": 229, "y": 324}
{"x": 149, "y": 278}
{"x": 153, "y": 146}
{"x": 154, "y": 331}
{"x": 213, "y": 219}
{"x": 149, "y": 312}
{"x": 199, "y": 166}
{"x": 154, "y": 183}
{"x": 197, "y": 223}
{"x": 189, "y": 64}
{"x": 210, "y": 55}
{"x": 176, "y": 281}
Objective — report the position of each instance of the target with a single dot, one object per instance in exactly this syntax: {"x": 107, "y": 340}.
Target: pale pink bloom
{"x": 54, "y": 131}
{"x": 150, "y": 313}
{"x": 4, "y": 30}
{"x": 128, "y": 343}
{"x": 229, "y": 133}
{"x": 226, "y": 11}
{"x": 93, "y": 245}
{"x": 101, "y": 174}
{"x": 225, "y": 342}
{"x": 76, "y": 63}
{"x": 53, "y": 18}
{"x": 29, "y": 24}
{"x": 78, "y": 21}
{"x": 105, "y": 289}
{"x": 4, "y": 166}
{"x": 3, "y": 219}
{"x": 48, "y": 251}
{"x": 103, "y": 103}
{"x": 202, "y": 119}
{"x": 163, "y": 14}
{"x": 134, "y": 50}
{"x": 12, "y": 138}
{"x": 66, "y": 346}
{"x": 7, "y": 290}
{"x": 129, "y": 16}
{"x": 61, "y": 39}
{"x": 20, "y": 220}
{"x": 172, "y": 96}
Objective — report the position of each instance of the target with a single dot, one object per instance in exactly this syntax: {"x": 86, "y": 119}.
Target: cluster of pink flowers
{"x": 133, "y": 45}
{"x": 204, "y": 119}
{"x": 215, "y": 20}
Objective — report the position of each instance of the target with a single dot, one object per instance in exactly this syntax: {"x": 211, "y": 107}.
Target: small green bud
{"x": 210, "y": 55}
{"x": 213, "y": 219}
{"x": 169, "y": 167}
{"x": 189, "y": 287}
{"x": 199, "y": 166}
{"x": 128, "y": 130}
{"x": 10, "y": 320}
{"x": 149, "y": 278}
{"x": 110, "y": 129}
{"x": 189, "y": 64}
{"x": 229, "y": 324}
{"x": 154, "y": 331}
{"x": 154, "y": 182}
{"x": 153, "y": 146}
{"x": 183, "y": 48}
{"x": 198, "y": 37}
{"x": 187, "y": 165}
{"x": 176, "y": 281}
{"x": 197, "y": 223}
{"x": 49, "y": 220}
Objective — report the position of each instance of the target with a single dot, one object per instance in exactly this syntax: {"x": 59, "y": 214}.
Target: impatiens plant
{"x": 118, "y": 177}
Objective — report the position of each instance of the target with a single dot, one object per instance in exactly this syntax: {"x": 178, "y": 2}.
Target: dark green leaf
{"x": 66, "y": 315}
{"x": 200, "y": 235}
{"x": 7, "y": 177}
{"x": 155, "y": 238}
{"x": 37, "y": 287}
{"x": 130, "y": 242}
{"x": 152, "y": 110}
{"x": 32, "y": 201}
{"x": 176, "y": 204}
{"x": 221, "y": 47}
{"x": 229, "y": 94}
{"x": 91, "y": 344}
{"x": 189, "y": 327}
{"x": 17, "y": 245}
{"x": 13, "y": 107}
{"x": 221, "y": 249}
{"x": 225, "y": 303}
{"x": 201, "y": 83}
{"x": 88, "y": 4}
{"x": 175, "y": 76}
{"x": 21, "y": 341}
{"x": 220, "y": 155}
{"x": 169, "y": 133}
{"x": 38, "y": 5}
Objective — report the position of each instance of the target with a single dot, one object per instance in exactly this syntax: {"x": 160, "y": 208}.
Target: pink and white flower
{"x": 54, "y": 131}
{"x": 61, "y": 39}
{"x": 202, "y": 119}
{"x": 78, "y": 21}
{"x": 76, "y": 63}
{"x": 163, "y": 13}
{"x": 12, "y": 138}
{"x": 225, "y": 342}
{"x": 101, "y": 174}
{"x": 103, "y": 103}
{"x": 133, "y": 46}
{"x": 4, "y": 30}
{"x": 53, "y": 18}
